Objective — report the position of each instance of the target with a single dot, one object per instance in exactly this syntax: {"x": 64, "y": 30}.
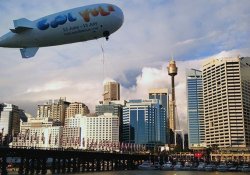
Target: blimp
{"x": 70, "y": 26}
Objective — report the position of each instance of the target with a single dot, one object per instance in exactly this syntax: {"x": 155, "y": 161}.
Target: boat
{"x": 157, "y": 165}
{"x": 233, "y": 169}
{"x": 147, "y": 165}
{"x": 188, "y": 166}
{"x": 210, "y": 167}
{"x": 167, "y": 166}
{"x": 178, "y": 166}
{"x": 222, "y": 168}
{"x": 245, "y": 168}
{"x": 201, "y": 166}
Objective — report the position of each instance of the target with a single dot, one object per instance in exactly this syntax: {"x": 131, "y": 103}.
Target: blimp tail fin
{"x": 29, "y": 52}
{"x": 22, "y": 25}
{"x": 20, "y": 29}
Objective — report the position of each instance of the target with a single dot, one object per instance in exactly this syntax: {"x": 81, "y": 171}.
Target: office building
{"x": 162, "y": 95}
{"x": 53, "y": 110}
{"x": 144, "y": 122}
{"x": 58, "y": 111}
{"x": 226, "y": 95}
{"x": 9, "y": 120}
{"x": 196, "y": 129}
{"x": 114, "y": 107}
{"x": 111, "y": 91}
{"x": 76, "y": 108}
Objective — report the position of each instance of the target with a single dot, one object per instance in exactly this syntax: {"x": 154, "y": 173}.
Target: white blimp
{"x": 70, "y": 26}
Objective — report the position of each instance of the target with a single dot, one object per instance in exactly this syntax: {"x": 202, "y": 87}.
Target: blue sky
{"x": 136, "y": 55}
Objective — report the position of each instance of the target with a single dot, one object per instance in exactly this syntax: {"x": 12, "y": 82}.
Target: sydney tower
{"x": 172, "y": 71}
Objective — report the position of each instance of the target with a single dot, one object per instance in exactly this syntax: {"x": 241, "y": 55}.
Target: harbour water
{"x": 158, "y": 172}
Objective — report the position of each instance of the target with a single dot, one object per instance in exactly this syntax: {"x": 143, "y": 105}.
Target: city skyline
{"x": 73, "y": 69}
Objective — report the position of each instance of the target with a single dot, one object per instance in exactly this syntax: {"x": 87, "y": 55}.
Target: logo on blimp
{"x": 59, "y": 20}
{"x": 95, "y": 12}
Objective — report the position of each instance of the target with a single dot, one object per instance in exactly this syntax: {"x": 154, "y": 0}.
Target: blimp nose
{"x": 117, "y": 19}
{"x": 119, "y": 16}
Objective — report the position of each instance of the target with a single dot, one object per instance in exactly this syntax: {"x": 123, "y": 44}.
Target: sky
{"x": 136, "y": 55}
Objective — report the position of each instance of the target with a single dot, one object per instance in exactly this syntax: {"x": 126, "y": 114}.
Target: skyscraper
{"x": 9, "y": 119}
{"x": 226, "y": 92}
{"x": 76, "y": 108}
{"x": 58, "y": 111}
{"x": 44, "y": 111}
{"x": 92, "y": 131}
{"x": 196, "y": 130}
{"x": 111, "y": 91}
{"x": 144, "y": 122}
{"x": 162, "y": 95}
{"x": 113, "y": 107}
{"x": 55, "y": 111}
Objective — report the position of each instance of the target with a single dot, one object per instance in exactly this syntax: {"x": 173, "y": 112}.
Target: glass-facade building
{"x": 144, "y": 122}
{"x": 196, "y": 130}
{"x": 162, "y": 95}
{"x": 115, "y": 109}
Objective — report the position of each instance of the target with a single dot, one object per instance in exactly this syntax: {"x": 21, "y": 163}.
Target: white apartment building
{"x": 102, "y": 131}
{"x": 91, "y": 132}
{"x": 226, "y": 94}
{"x": 73, "y": 133}
{"x": 38, "y": 133}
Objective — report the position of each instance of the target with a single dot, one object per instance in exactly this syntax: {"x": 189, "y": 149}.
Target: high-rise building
{"x": 91, "y": 132}
{"x": 76, "y": 108}
{"x": 58, "y": 111}
{"x": 113, "y": 107}
{"x": 111, "y": 91}
{"x": 1, "y": 106}
{"x": 226, "y": 95}
{"x": 102, "y": 128}
{"x": 196, "y": 129}
{"x": 73, "y": 131}
{"x": 55, "y": 111}
{"x": 144, "y": 122}
{"x": 162, "y": 95}
{"x": 44, "y": 111}
{"x": 9, "y": 120}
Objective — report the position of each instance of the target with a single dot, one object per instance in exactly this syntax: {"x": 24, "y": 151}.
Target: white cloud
{"x": 52, "y": 86}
